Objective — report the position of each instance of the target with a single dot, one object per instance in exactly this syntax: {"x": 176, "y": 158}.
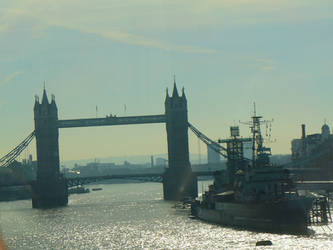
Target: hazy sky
{"x": 226, "y": 53}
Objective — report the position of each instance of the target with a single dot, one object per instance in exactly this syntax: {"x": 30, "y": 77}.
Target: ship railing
{"x": 320, "y": 213}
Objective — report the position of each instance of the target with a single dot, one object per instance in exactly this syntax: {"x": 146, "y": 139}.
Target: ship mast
{"x": 258, "y": 150}
{"x": 257, "y": 139}
{"x": 253, "y": 136}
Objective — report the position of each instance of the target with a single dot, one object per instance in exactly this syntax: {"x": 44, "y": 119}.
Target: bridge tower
{"x": 50, "y": 188}
{"x": 178, "y": 180}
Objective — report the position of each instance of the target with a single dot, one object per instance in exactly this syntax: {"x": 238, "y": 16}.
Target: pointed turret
{"x": 53, "y": 107}
{"x": 53, "y": 99}
{"x": 44, "y": 98}
{"x": 175, "y": 91}
{"x": 176, "y": 101}
{"x": 167, "y": 97}
{"x": 36, "y": 99}
{"x": 36, "y": 106}
{"x": 183, "y": 94}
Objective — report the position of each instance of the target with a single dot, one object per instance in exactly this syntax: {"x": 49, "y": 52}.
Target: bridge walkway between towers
{"x": 111, "y": 121}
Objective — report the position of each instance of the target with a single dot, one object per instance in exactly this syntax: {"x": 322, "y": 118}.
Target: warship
{"x": 253, "y": 193}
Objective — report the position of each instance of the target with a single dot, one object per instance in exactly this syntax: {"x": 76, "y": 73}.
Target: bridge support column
{"x": 50, "y": 188}
{"x": 178, "y": 181}
{"x": 46, "y": 194}
{"x": 179, "y": 184}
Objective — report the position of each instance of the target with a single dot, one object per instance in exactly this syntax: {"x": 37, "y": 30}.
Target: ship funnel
{"x": 303, "y": 131}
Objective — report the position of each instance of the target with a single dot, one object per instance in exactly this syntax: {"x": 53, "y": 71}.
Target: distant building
{"x": 213, "y": 157}
{"x": 161, "y": 162}
{"x": 305, "y": 147}
{"x": 152, "y": 161}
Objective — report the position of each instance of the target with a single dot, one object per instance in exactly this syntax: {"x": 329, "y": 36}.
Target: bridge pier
{"x": 179, "y": 184}
{"x": 46, "y": 194}
{"x": 178, "y": 181}
{"x": 50, "y": 188}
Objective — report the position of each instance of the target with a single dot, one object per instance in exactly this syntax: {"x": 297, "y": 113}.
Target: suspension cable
{"x": 9, "y": 158}
{"x": 209, "y": 142}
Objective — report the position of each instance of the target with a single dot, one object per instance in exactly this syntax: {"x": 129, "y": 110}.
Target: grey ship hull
{"x": 284, "y": 216}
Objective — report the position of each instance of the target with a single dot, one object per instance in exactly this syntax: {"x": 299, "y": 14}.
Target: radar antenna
{"x": 258, "y": 148}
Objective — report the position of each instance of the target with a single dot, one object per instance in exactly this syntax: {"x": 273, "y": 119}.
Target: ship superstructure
{"x": 253, "y": 193}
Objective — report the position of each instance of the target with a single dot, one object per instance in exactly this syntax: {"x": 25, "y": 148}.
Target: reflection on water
{"x": 131, "y": 216}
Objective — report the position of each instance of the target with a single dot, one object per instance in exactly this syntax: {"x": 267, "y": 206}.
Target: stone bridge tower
{"x": 50, "y": 189}
{"x": 178, "y": 180}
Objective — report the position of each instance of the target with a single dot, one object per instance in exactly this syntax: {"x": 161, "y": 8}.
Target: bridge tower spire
{"x": 50, "y": 189}
{"x": 178, "y": 181}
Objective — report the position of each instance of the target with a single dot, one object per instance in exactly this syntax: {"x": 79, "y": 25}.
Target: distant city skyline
{"x": 134, "y": 159}
{"x": 120, "y": 57}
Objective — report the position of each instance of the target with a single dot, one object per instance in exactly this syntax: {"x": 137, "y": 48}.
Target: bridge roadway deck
{"x": 111, "y": 121}
{"x": 75, "y": 181}
{"x": 301, "y": 185}
{"x": 71, "y": 182}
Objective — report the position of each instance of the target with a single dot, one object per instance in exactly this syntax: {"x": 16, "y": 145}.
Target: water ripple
{"x": 132, "y": 216}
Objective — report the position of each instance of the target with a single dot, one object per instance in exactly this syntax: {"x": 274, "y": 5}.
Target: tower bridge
{"x": 50, "y": 188}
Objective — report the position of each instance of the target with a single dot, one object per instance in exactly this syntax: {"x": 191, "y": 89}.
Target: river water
{"x": 132, "y": 216}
